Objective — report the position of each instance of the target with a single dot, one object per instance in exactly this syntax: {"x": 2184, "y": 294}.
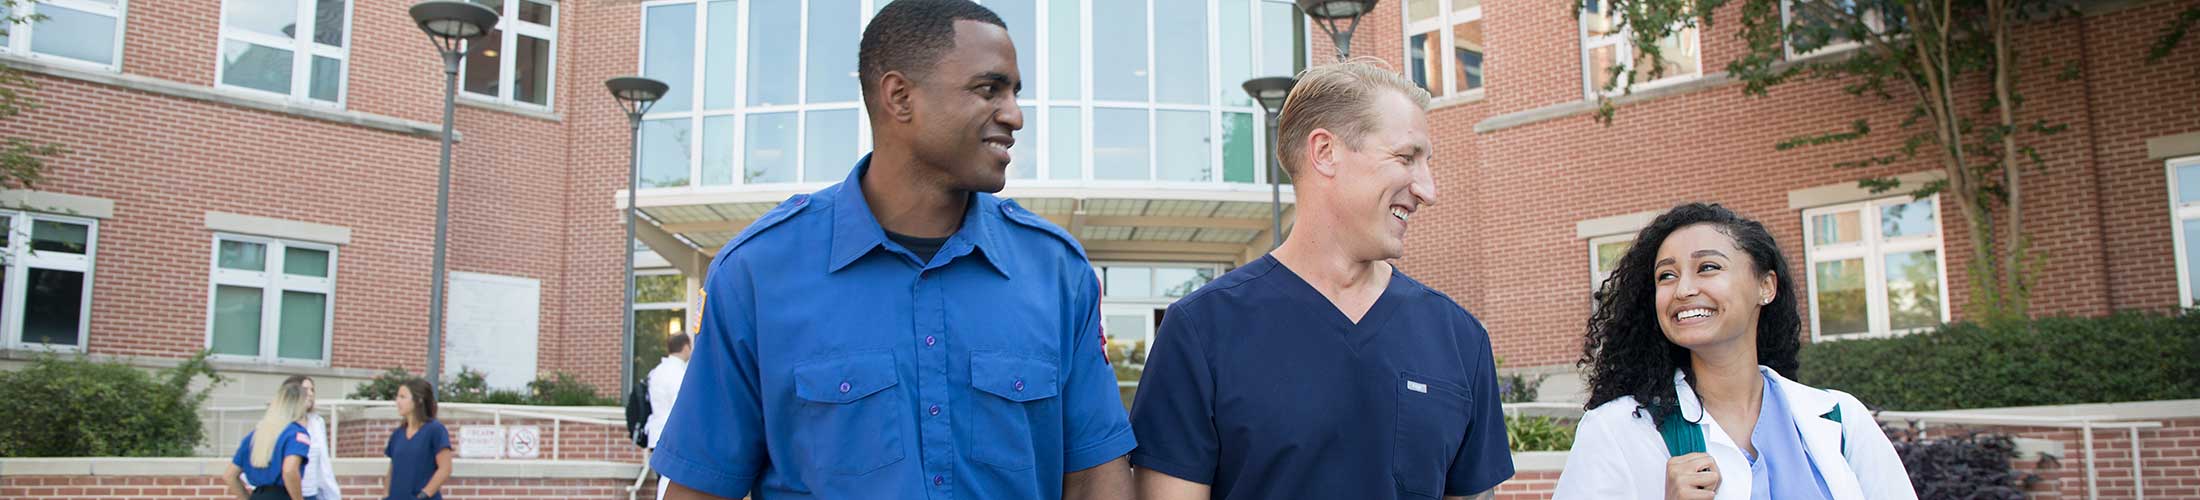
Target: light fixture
{"x": 448, "y": 24}
{"x": 635, "y": 95}
{"x": 1338, "y": 18}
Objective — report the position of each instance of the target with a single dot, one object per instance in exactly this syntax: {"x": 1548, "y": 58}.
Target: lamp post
{"x": 447, "y": 23}
{"x": 1271, "y": 92}
{"x": 636, "y": 95}
{"x": 1338, "y": 18}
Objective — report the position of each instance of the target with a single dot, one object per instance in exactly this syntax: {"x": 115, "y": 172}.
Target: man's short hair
{"x": 911, "y": 36}
{"x": 1340, "y": 98}
{"x": 677, "y": 342}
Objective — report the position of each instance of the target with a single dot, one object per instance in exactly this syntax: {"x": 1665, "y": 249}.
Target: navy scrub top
{"x": 412, "y": 460}
{"x": 1259, "y": 387}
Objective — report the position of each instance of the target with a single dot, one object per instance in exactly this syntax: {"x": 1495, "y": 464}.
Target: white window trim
{"x": 1873, "y": 249}
{"x": 1872, "y": 18}
{"x": 302, "y": 51}
{"x": 1445, "y": 22}
{"x": 20, "y": 259}
{"x": 20, "y": 35}
{"x": 2178, "y": 214}
{"x": 271, "y": 282}
{"x": 1624, "y": 54}
{"x": 513, "y": 28}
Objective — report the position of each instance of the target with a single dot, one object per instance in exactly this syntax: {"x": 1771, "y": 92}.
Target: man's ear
{"x": 896, "y": 95}
{"x": 1322, "y": 148}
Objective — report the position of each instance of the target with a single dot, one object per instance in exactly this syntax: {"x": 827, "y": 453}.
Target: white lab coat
{"x": 319, "y": 476}
{"x": 1619, "y": 454}
{"x": 664, "y": 391}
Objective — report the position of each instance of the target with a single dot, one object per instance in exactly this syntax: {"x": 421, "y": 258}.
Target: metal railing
{"x": 334, "y": 409}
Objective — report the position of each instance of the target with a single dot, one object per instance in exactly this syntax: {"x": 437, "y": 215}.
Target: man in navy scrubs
{"x": 1319, "y": 371}
{"x": 903, "y": 334}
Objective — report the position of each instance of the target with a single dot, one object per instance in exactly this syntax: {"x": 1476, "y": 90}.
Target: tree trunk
{"x": 2013, "y": 303}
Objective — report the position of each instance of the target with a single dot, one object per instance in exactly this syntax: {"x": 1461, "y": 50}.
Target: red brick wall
{"x": 365, "y": 439}
{"x": 1528, "y": 485}
{"x": 606, "y": 38}
{"x": 2169, "y": 460}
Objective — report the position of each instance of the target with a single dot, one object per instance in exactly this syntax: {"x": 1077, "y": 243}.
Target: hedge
{"x": 2129, "y": 356}
{"x": 555, "y": 389}
{"x": 72, "y": 407}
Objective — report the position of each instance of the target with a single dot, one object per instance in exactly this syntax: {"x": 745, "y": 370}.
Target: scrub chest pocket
{"x": 1432, "y": 422}
{"x": 851, "y": 414}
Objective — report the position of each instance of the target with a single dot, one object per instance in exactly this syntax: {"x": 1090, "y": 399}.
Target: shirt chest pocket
{"x": 1432, "y": 422}
{"x": 850, "y": 415}
{"x": 1012, "y": 392}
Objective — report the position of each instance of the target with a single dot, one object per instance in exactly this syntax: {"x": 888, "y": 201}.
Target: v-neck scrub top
{"x": 412, "y": 459}
{"x": 1259, "y": 387}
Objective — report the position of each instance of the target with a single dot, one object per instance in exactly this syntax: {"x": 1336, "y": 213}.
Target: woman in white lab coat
{"x": 1691, "y": 355}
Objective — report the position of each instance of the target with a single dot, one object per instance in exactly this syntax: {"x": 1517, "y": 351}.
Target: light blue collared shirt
{"x": 1782, "y": 467}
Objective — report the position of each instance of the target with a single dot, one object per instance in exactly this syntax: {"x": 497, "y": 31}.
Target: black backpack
{"x": 637, "y": 413}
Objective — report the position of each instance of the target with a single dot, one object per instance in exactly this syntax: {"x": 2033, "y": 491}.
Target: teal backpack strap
{"x": 1835, "y": 416}
{"x": 1681, "y": 436}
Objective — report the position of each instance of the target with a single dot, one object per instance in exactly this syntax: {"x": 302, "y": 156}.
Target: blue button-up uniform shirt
{"x": 832, "y": 363}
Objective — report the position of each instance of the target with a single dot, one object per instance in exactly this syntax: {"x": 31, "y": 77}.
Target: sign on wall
{"x": 480, "y": 441}
{"x": 522, "y": 441}
{"x": 493, "y": 324}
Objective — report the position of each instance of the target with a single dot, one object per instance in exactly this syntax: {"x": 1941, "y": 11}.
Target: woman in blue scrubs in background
{"x": 270, "y": 459}
{"x": 1691, "y": 358}
{"x": 420, "y": 451}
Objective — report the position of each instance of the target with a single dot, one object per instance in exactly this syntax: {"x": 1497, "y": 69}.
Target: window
{"x": 85, "y": 32}
{"x": 1875, "y": 268}
{"x": 1432, "y": 25}
{"x": 1604, "y": 254}
{"x": 2184, "y": 193}
{"x": 765, "y": 92}
{"x": 1813, "y": 24}
{"x": 515, "y": 62}
{"x": 1604, "y": 46}
{"x": 270, "y": 300}
{"x": 1135, "y": 298}
{"x": 291, "y": 48}
{"x": 660, "y": 309}
{"x": 47, "y": 283}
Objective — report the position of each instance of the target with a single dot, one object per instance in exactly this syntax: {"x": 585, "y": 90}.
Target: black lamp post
{"x": 636, "y": 95}
{"x": 447, "y": 23}
{"x": 1271, "y": 92}
{"x": 1338, "y": 18}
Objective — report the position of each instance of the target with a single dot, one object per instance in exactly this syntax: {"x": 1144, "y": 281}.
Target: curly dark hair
{"x": 1626, "y": 352}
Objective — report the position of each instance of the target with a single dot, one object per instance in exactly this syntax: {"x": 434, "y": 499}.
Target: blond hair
{"x": 1340, "y": 98}
{"x": 289, "y": 406}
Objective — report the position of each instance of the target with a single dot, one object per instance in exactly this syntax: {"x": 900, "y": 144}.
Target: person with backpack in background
{"x": 663, "y": 387}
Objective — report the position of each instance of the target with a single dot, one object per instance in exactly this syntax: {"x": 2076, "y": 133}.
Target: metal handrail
{"x": 557, "y": 417}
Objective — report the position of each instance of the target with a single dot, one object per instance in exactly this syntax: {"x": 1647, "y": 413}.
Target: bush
{"x": 80, "y": 408}
{"x": 471, "y": 386}
{"x": 1517, "y": 388}
{"x": 1971, "y": 466}
{"x": 2124, "y": 357}
{"x": 1538, "y": 434}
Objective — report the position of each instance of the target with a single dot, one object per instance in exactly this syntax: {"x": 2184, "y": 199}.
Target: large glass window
{"x": 516, "y": 62}
{"x": 271, "y": 300}
{"x": 1433, "y": 25}
{"x": 1875, "y": 268}
{"x": 1134, "y": 298}
{"x": 85, "y": 32}
{"x": 292, "y": 48}
{"x": 1117, "y": 91}
{"x": 46, "y": 281}
{"x": 1815, "y": 26}
{"x": 1604, "y": 254}
{"x": 2184, "y": 191}
{"x": 1605, "y": 49}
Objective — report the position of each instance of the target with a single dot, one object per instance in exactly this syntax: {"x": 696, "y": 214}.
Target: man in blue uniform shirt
{"x": 1319, "y": 371}
{"x": 904, "y": 334}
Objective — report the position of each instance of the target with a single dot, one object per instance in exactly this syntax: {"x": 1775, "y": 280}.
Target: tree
{"x": 1926, "y": 53}
{"x": 22, "y": 160}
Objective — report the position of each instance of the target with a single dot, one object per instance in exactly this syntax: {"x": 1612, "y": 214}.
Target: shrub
{"x": 1972, "y": 465}
{"x": 2123, "y": 357}
{"x": 1517, "y": 388}
{"x": 471, "y": 386}
{"x": 80, "y": 408}
{"x": 1538, "y": 434}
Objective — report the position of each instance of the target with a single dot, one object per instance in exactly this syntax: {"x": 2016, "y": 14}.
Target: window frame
{"x": 1624, "y": 53}
{"x": 302, "y": 51}
{"x": 272, "y": 281}
{"x": 20, "y": 35}
{"x": 1445, "y": 23}
{"x": 1596, "y": 278}
{"x": 1873, "y": 247}
{"x": 1872, "y": 18}
{"x": 20, "y": 259}
{"x": 2179, "y": 213}
{"x": 511, "y": 29}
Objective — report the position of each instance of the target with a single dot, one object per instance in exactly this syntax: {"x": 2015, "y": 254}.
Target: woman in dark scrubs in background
{"x": 420, "y": 451}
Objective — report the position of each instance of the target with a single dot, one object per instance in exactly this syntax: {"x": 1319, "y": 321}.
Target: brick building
{"x": 257, "y": 177}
